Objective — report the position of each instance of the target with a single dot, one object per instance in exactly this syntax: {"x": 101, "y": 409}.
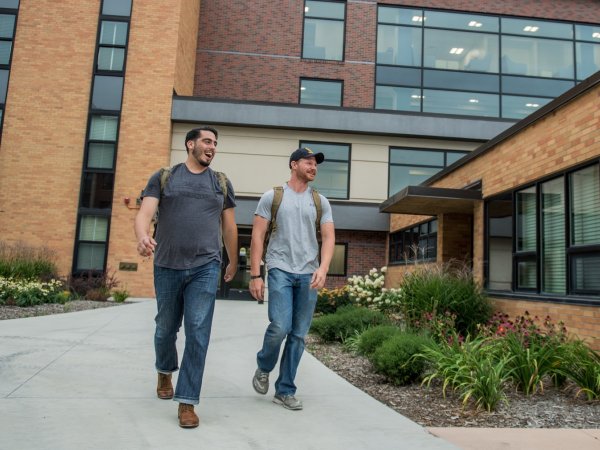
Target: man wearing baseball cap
{"x": 295, "y": 272}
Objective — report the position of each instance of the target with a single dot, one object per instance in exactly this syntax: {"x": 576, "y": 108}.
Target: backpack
{"x": 277, "y": 198}
{"x": 164, "y": 175}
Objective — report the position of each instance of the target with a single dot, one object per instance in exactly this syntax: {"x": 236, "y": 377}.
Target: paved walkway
{"x": 85, "y": 380}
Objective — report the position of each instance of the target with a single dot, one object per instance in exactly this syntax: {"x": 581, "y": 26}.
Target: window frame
{"x": 398, "y": 238}
{"x": 324, "y": 81}
{"x": 311, "y": 144}
{"x": 10, "y": 12}
{"x": 344, "y": 20}
{"x": 345, "y": 271}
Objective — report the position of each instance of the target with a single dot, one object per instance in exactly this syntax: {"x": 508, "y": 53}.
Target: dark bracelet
{"x": 254, "y": 277}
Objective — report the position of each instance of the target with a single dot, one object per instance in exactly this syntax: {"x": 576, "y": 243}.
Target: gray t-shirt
{"x": 294, "y": 247}
{"x": 189, "y": 225}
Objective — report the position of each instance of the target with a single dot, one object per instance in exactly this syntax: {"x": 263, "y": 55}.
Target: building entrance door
{"x": 237, "y": 289}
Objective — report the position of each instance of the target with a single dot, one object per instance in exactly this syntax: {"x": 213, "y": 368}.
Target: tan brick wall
{"x": 145, "y": 134}
{"x": 185, "y": 64}
{"x": 45, "y": 123}
{"x": 582, "y": 321}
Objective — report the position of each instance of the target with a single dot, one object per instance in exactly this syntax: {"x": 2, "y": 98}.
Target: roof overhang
{"x": 431, "y": 201}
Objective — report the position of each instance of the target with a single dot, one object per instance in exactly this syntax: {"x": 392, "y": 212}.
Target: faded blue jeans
{"x": 291, "y": 307}
{"x": 188, "y": 296}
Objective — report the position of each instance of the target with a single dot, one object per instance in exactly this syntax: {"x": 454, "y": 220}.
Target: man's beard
{"x": 197, "y": 155}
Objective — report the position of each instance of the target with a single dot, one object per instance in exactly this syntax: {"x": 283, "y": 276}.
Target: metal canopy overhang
{"x": 431, "y": 201}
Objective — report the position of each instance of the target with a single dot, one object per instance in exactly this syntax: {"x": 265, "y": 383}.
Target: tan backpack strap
{"x": 223, "y": 183}
{"x": 164, "y": 174}
{"x": 317, "y": 201}
{"x": 275, "y": 204}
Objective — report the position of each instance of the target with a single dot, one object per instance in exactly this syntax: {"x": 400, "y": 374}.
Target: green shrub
{"x": 93, "y": 285}
{"x": 394, "y": 358}
{"x": 22, "y": 262}
{"x": 581, "y": 364}
{"x": 329, "y": 300}
{"x": 440, "y": 289}
{"x": 120, "y": 295}
{"x": 368, "y": 291}
{"x": 31, "y": 292}
{"x": 345, "y": 321}
{"x": 373, "y": 337}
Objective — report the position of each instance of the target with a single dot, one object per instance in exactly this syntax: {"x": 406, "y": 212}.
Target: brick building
{"x": 99, "y": 94}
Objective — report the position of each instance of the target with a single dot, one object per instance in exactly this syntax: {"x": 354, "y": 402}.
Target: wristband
{"x": 254, "y": 277}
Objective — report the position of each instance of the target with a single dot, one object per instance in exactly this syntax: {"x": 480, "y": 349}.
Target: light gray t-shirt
{"x": 189, "y": 217}
{"x": 294, "y": 247}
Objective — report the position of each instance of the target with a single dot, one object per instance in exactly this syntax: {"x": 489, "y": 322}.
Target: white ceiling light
{"x": 306, "y": 9}
{"x": 474, "y": 23}
{"x": 473, "y": 100}
{"x": 596, "y": 35}
{"x": 456, "y": 50}
{"x": 531, "y": 28}
{"x": 415, "y": 96}
{"x": 417, "y": 19}
{"x": 532, "y": 105}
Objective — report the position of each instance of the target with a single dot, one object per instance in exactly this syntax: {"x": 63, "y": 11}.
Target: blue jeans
{"x": 188, "y": 296}
{"x": 291, "y": 307}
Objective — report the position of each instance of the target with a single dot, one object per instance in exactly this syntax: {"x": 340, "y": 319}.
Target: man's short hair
{"x": 194, "y": 133}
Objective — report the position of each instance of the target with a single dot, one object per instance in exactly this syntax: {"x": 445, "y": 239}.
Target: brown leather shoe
{"x": 164, "y": 390}
{"x": 187, "y": 416}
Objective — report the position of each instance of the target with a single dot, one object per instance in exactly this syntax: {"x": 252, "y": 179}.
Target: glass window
{"x": 113, "y": 33}
{"x": 3, "y": 85}
{"x": 107, "y": 93}
{"x": 399, "y": 46}
{"x": 100, "y": 156}
{"x": 535, "y": 86}
{"x": 415, "y": 244}
{"x": 585, "y": 206}
{"x": 97, "y": 190}
{"x": 526, "y": 220}
{"x": 14, "y": 4}
{"x": 104, "y": 128}
{"x": 334, "y": 173}
{"x": 537, "y": 57}
{"x": 93, "y": 228}
{"x": 471, "y": 22}
{"x": 532, "y": 27}
{"x": 338, "y": 262}
{"x": 402, "y": 176}
{"x": 401, "y": 16}
{"x": 585, "y": 274}
{"x": 518, "y": 107}
{"x": 5, "y": 48}
{"x": 110, "y": 58}
{"x": 590, "y": 33}
{"x": 319, "y": 92}
{"x": 419, "y": 157}
{"x": 324, "y": 30}
{"x": 398, "y": 75}
{"x": 465, "y": 103}
{"x": 452, "y": 157}
{"x": 398, "y": 99}
{"x": 7, "y": 25}
{"x": 588, "y": 59}
{"x": 526, "y": 275}
{"x": 116, "y": 7}
{"x": 90, "y": 256}
{"x": 553, "y": 261}
{"x": 500, "y": 240}
{"x": 459, "y": 50}
{"x": 445, "y": 79}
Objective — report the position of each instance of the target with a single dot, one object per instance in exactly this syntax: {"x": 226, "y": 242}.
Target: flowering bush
{"x": 368, "y": 291}
{"x": 329, "y": 300}
{"x": 529, "y": 329}
{"x": 29, "y": 292}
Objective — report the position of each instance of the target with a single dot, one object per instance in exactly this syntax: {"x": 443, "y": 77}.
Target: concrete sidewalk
{"x": 86, "y": 381}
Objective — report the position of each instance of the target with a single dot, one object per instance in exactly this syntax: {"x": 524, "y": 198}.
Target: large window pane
{"x": 110, "y": 58}
{"x": 398, "y": 45}
{"x": 7, "y": 25}
{"x": 402, "y": 176}
{"x": 519, "y": 107}
{"x": 3, "y": 85}
{"x": 585, "y": 206}
{"x": 398, "y": 76}
{"x": 537, "y": 57}
{"x": 466, "y": 103}
{"x": 588, "y": 59}
{"x": 107, "y": 93}
{"x": 397, "y": 98}
{"x": 104, "y": 128}
{"x": 471, "y": 22}
{"x": 323, "y": 39}
{"x": 535, "y": 86}
{"x": 585, "y": 273}
{"x": 101, "y": 156}
{"x": 590, "y": 33}
{"x": 526, "y": 220}
{"x": 97, "y": 190}
{"x": 90, "y": 256}
{"x": 315, "y": 92}
{"x": 333, "y": 173}
{"x": 417, "y": 157}
{"x": 116, "y": 7}
{"x": 458, "y": 50}
{"x": 500, "y": 239}
{"x": 553, "y": 237}
{"x": 93, "y": 228}
{"x": 113, "y": 33}
{"x": 531, "y": 27}
{"x": 526, "y": 275}
{"x": 338, "y": 262}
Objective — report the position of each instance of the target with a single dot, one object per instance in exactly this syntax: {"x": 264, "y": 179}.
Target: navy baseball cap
{"x": 305, "y": 152}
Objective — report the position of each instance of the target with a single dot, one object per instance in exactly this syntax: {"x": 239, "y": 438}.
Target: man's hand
{"x": 146, "y": 246}
{"x": 257, "y": 289}
{"x": 230, "y": 272}
{"x": 318, "y": 278}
